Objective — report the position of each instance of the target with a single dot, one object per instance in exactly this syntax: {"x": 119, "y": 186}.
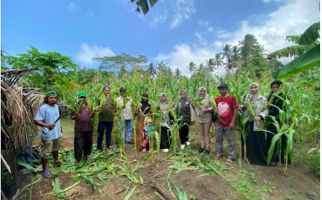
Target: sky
{"x": 173, "y": 31}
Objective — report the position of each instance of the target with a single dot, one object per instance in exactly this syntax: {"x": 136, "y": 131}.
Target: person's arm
{"x": 44, "y": 125}
{"x": 235, "y": 107}
{"x": 264, "y": 111}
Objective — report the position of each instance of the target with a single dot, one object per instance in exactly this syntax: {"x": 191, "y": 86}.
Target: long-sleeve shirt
{"x": 126, "y": 112}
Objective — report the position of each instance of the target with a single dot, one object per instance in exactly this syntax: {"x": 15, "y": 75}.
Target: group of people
{"x": 203, "y": 110}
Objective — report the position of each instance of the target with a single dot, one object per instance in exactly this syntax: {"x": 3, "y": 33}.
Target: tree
{"x": 306, "y": 52}
{"x": 51, "y": 67}
{"x": 123, "y": 62}
{"x": 192, "y": 67}
{"x": 151, "y": 70}
{"x": 218, "y": 61}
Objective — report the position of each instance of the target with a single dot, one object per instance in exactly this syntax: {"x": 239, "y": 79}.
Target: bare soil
{"x": 271, "y": 182}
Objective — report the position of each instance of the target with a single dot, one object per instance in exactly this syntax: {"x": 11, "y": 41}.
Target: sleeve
{"x": 192, "y": 113}
{"x": 234, "y": 103}
{"x": 41, "y": 114}
{"x": 264, "y": 111}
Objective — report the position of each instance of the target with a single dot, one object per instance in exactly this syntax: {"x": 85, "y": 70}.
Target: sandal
{"x": 230, "y": 160}
{"x": 46, "y": 174}
{"x": 218, "y": 156}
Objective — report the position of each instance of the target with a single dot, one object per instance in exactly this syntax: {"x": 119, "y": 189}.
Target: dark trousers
{"x": 165, "y": 143}
{"x": 256, "y": 149}
{"x": 184, "y": 133}
{"x": 83, "y": 142}
{"x": 101, "y": 128}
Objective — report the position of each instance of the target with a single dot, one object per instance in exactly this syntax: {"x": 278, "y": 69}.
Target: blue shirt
{"x": 49, "y": 114}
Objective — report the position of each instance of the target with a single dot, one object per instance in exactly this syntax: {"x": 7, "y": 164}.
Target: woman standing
{"x": 105, "y": 119}
{"x": 203, "y": 110}
{"x": 165, "y": 113}
{"x": 142, "y": 112}
{"x": 254, "y": 109}
{"x": 185, "y": 112}
{"x": 275, "y": 103}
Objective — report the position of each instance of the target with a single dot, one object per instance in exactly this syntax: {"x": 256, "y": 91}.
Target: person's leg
{"x": 186, "y": 133}
{"x": 45, "y": 152}
{"x": 100, "y": 129}
{"x": 164, "y": 138}
{"x": 230, "y": 132}
{"x": 181, "y": 134}
{"x": 56, "y": 148}
{"x": 78, "y": 146}
{"x": 128, "y": 131}
{"x": 202, "y": 135}
{"x": 109, "y": 128}
{"x": 88, "y": 143}
{"x": 207, "y": 136}
{"x": 219, "y": 140}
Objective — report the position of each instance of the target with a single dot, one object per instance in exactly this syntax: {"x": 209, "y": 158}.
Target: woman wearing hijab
{"x": 203, "y": 108}
{"x": 185, "y": 112}
{"x": 165, "y": 123}
{"x": 254, "y": 109}
{"x": 143, "y": 111}
{"x": 275, "y": 103}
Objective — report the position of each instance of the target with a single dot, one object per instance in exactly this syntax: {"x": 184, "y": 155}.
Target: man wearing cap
{"x": 227, "y": 107}
{"x": 83, "y": 139}
{"x": 48, "y": 117}
{"x": 124, "y": 103}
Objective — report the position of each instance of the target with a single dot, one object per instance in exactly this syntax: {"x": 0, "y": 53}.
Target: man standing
{"x": 48, "y": 118}
{"x": 124, "y": 103}
{"x": 227, "y": 107}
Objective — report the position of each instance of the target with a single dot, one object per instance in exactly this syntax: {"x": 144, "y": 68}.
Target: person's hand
{"x": 232, "y": 125}
{"x": 51, "y": 126}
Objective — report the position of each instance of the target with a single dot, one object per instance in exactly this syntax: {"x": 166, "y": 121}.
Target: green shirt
{"x": 107, "y": 114}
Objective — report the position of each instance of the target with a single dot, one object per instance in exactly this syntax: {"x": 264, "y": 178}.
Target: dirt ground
{"x": 270, "y": 182}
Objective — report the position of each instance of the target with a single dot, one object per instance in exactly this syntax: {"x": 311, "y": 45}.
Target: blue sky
{"x": 173, "y": 31}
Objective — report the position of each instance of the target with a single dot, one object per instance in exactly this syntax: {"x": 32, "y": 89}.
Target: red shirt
{"x": 226, "y": 107}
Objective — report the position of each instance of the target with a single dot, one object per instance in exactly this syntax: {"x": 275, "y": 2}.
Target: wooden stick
{"x": 161, "y": 190}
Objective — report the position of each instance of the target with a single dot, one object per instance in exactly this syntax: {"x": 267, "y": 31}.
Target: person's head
{"x": 275, "y": 85}
{"x": 145, "y": 97}
{"x": 202, "y": 92}
{"x": 106, "y": 89}
{"x": 223, "y": 88}
{"x": 122, "y": 91}
{"x": 163, "y": 98}
{"x": 183, "y": 94}
{"x": 82, "y": 96}
{"x": 51, "y": 98}
{"x": 149, "y": 121}
{"x": 254, "y": 88}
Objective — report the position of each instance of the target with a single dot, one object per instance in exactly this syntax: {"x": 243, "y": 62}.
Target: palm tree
{"x": 151, "y": 70}
{"x": 227, "y": 54}
{"x": 218, "y": 61}
{"x": 192, "y": 67}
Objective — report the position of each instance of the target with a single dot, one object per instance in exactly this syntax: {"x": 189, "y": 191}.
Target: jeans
{"x": 128, "y": 127}
{"x": 101, "y": 128}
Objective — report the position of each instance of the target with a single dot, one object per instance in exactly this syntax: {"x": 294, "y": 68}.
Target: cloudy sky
{"x": 173, "y": 31}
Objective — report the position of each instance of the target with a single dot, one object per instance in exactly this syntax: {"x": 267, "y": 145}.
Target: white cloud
{"x": 159, "y": 19}
{"x": 293, "y": 17}
{"x": 183, "y": 10}
{"x": 87, "y": 52}
{"x": 181, "y": 55}
{"x": 72, "y": 6}
{"x": 290, "y": 19}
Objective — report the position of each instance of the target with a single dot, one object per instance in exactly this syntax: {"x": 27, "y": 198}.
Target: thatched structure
{"x": 18, "y": 106}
